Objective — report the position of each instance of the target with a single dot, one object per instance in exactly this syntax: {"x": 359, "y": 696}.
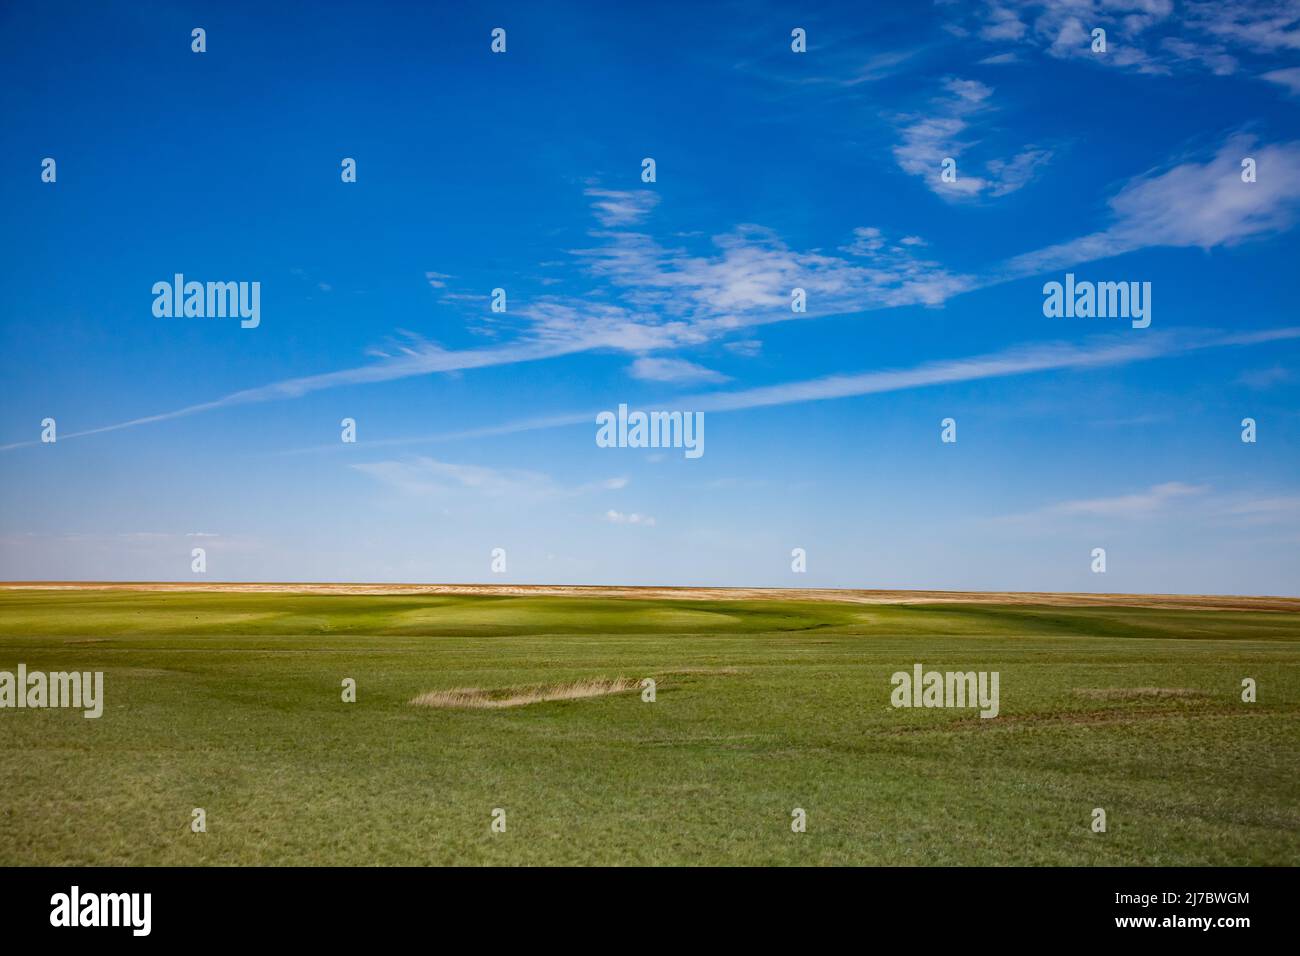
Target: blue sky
{"x": 774, "y": 170}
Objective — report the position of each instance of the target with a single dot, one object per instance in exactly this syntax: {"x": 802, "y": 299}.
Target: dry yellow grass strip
{"x": 475, "y": 697}
{"x": 1197, "y": 602}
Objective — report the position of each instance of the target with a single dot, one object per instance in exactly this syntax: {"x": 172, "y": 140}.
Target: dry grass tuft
{"x": 1124, "y": 693}
{"x": 478, "y": 698}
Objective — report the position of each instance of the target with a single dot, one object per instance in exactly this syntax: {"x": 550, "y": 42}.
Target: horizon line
{"x": 700, "y": 592}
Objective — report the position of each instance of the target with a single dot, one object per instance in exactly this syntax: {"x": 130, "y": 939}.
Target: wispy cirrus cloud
{"x": 673, "y": 370}
{"x": 665, "y": 298}
{"x": 745, "y": 279}
{"x": 1288, "y": 78}
{"x": 614, "y": 207}
{"x": 1263, "y": 378}
{"x": 1157, "y": 37}
{"x": 835, "y": 61}
{"x": 1146, "y": 504}
{"x": 1203, "y": 205}
{"x": 1234, "y": 507}
{"x": 1100, "y": 352}
{"x": 1262, "y": 509}
{"x": 858, "y": 70}
{"x": 629, "y": 518}
{"x": 422, "y": 358}
{"x": 1002, "y": 23}
{"x": 945, "y": 132}
{"x": 1261, "y": 26}
{"x": 426, "y": 477}
{"x": 1133, "y": 505}
{"x": 1020, "y": 360}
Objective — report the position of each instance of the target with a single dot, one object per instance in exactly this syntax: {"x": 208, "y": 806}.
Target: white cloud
{"x": 1147, "y": 36}
{"x": 422, "y": 358}
{"x": 1263, "y": 378}
{"x": 1264, "y": 509}
{"x": 614, "y": 207}
{"x": 618, "y": 517}
{"x": 1134, "y": 505}
{"x": 1244, "y": 509}
{"x": 1003, "y": 24}
{"x": 841, "y": 66}
{"x": 971, "y": 92}
{"x": 1016, "y": 361}
{"x": 747, "y": 348}
{"x": 1069, "y": 38}
{"x": 1290, "y": 78}
{"x": 425, "y": 477}
{"x": 1100, "y": 352}
{"x": 670, "y": 298}
{"x": 654, "y": 298}
{"x": 1202, "y": 205}
{"x": 867, "y": 240}
{"x": 1212, "y": 56}
{"x": 673, "y": 370}
{"x": 659, "y": 298}
{"x": 926, "y": 141}
{"x": 1261, "y": 26}
{"x": 1006, "y": 176}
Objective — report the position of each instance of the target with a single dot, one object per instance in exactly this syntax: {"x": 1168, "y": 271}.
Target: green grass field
{"x": 232, "y": 702}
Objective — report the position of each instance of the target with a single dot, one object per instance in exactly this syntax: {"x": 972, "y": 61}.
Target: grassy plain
{"x": 231, "y": 701}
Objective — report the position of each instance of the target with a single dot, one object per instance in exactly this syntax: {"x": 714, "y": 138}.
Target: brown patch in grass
{"x": 1129, "y": 693}
{"x": 475, "y": 698}
{"x": 1096, "y": 718}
